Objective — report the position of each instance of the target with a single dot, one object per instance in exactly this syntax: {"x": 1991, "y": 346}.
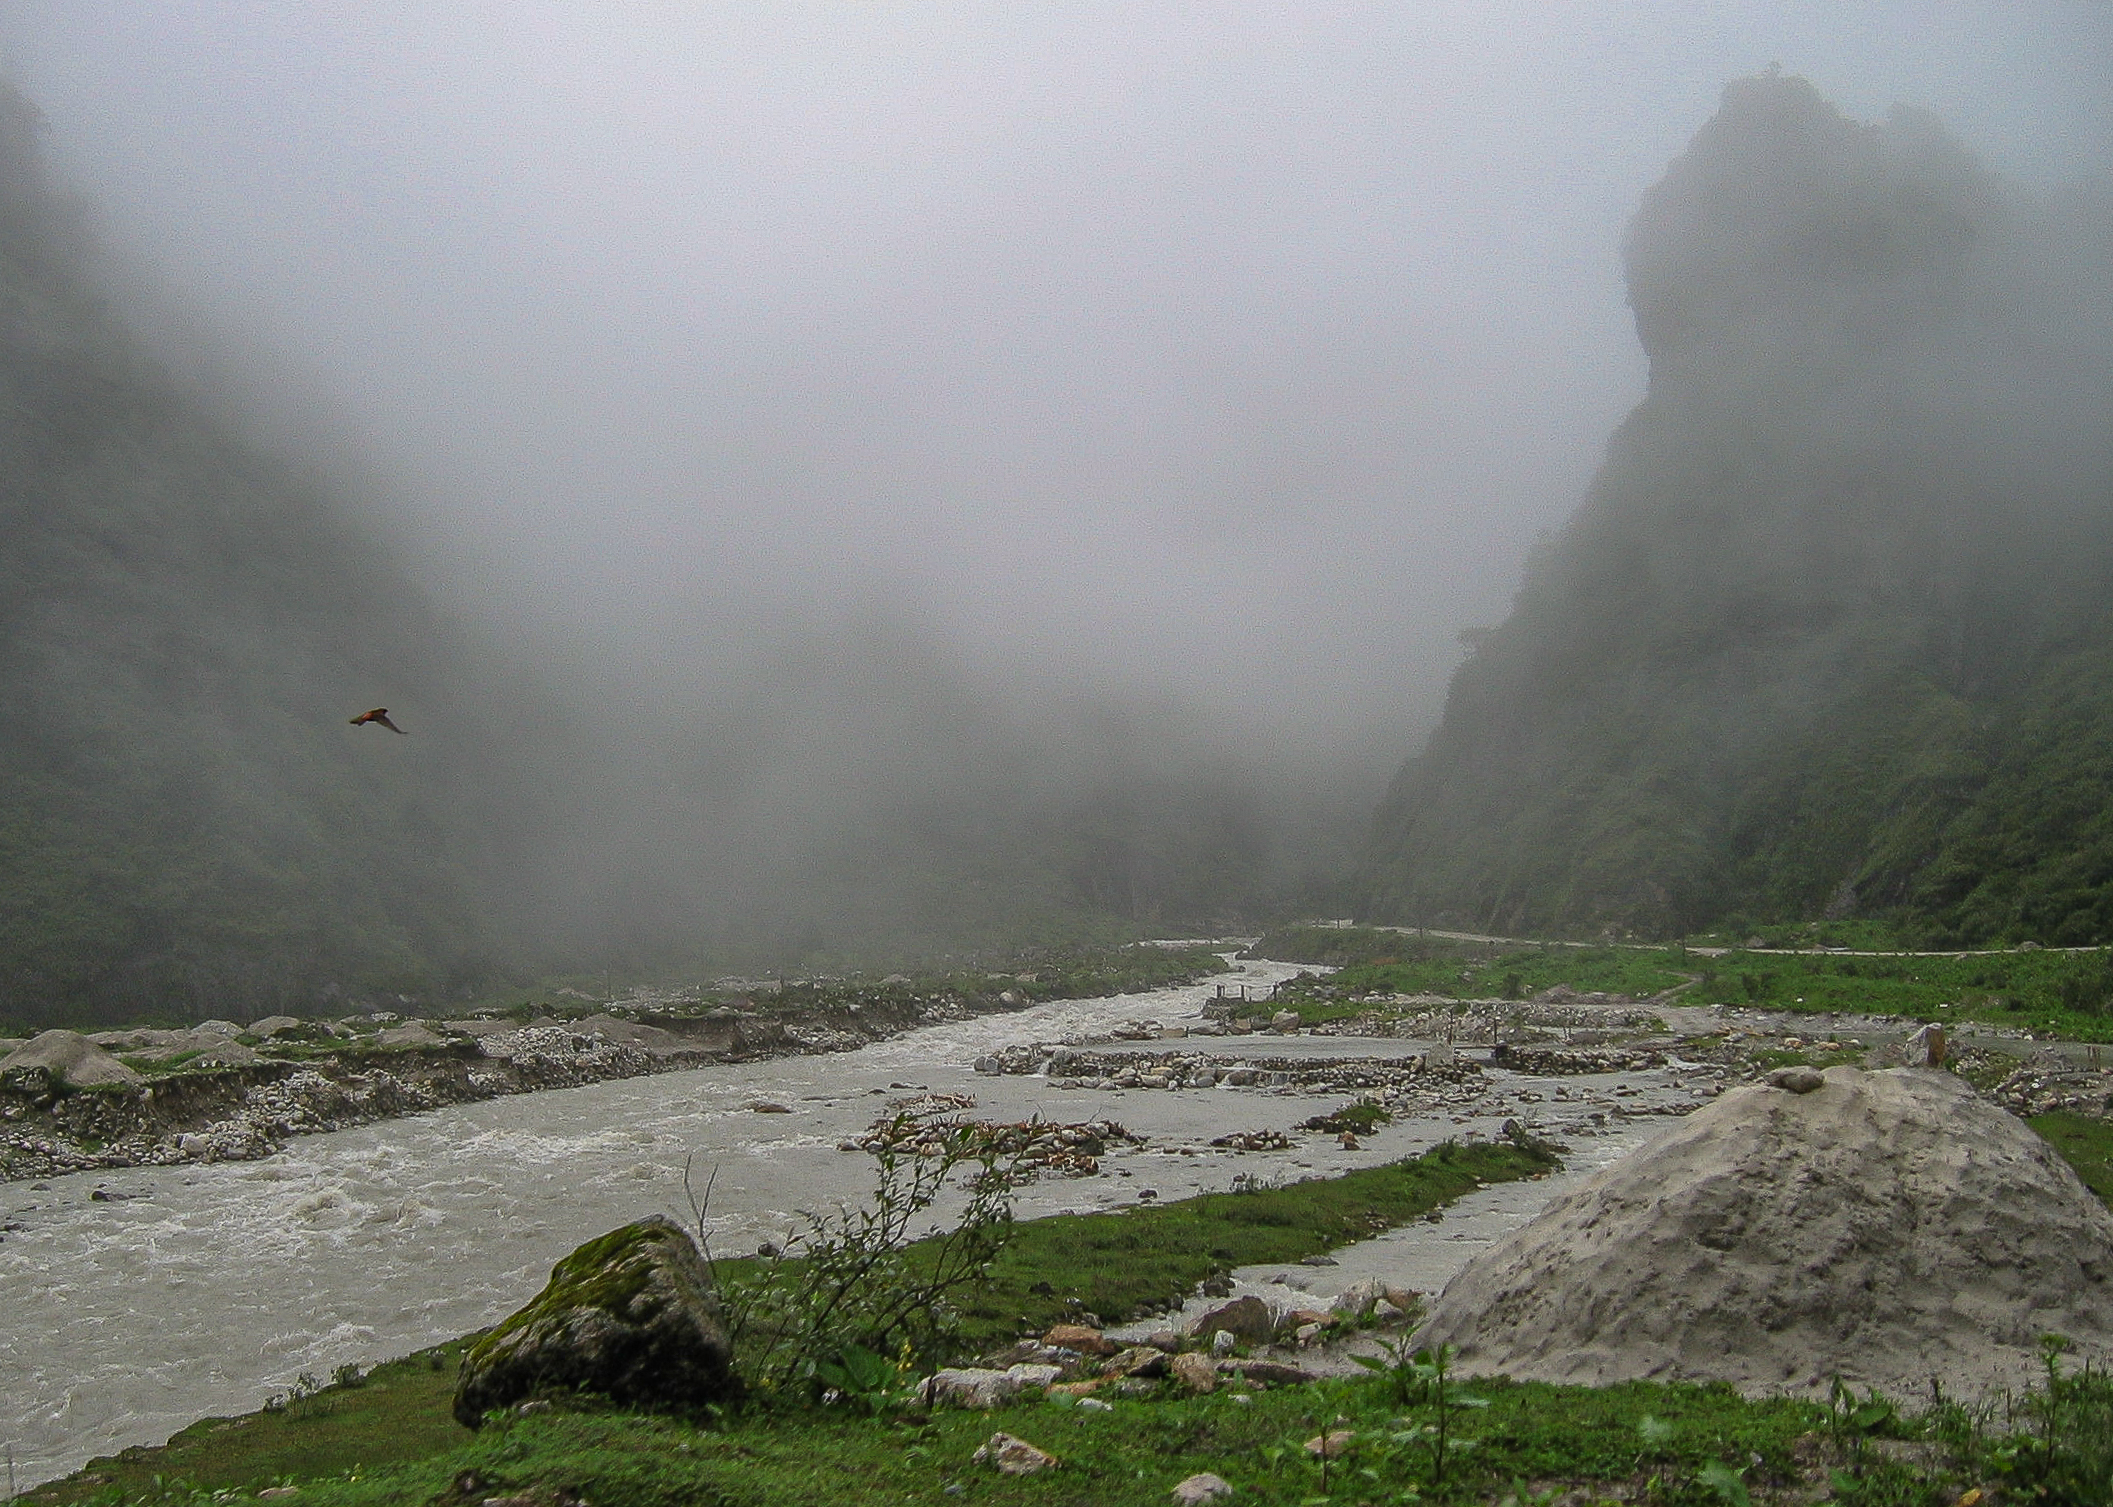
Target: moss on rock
{"x": 630, "y": 1315}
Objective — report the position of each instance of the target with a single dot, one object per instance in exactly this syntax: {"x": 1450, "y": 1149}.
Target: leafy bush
{"x": 818, "y": 1311}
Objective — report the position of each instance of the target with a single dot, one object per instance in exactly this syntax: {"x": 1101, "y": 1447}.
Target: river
{"x": 201, "y": 1290}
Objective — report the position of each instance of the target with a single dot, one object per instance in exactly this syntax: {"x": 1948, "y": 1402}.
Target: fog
{"x": 1155, "y": 387}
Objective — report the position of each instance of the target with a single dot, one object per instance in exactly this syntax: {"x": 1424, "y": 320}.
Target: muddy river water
{"x": 201, "y": 1290}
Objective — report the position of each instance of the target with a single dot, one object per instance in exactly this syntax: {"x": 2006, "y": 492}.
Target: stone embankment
{"x": 246, "y": 1103}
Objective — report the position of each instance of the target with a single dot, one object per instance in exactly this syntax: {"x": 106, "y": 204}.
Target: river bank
{"x": 219, "y": 1092}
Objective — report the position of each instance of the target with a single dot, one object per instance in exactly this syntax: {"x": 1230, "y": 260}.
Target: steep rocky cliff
{"x": 1830, "y": 634}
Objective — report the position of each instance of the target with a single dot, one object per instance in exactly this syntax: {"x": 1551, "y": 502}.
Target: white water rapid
{"x": 207, "y": 1288}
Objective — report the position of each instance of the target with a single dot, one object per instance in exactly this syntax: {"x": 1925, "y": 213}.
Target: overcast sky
{"x": 1205, "y": 347}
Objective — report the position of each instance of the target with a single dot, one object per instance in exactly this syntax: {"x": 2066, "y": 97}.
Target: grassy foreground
{"x": 1112, "y": 1264}
{"x": 1505, "y": 1443}
{"x": 388, "y": 1440}
{"x": 1132, "y": 1453}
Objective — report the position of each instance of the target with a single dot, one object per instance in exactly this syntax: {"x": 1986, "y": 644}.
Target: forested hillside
{"x": 1832, "y": 635}
{"x": 189, "y": 826}
{"x": 187, "y": 821}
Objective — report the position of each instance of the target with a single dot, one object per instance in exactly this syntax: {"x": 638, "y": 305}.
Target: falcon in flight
{"x": 379, "y": 715}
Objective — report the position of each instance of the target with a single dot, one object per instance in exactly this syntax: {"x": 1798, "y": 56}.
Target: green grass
{"x": 2086, "y": 1144}
{"x": 1116, "y": 1264}
{"x": 1372, "y": 960}
{"x": 2046, "y": 992}
{"x": 1463, "y": 970}
{"x": 1639, "y": 1441}
{"x": 399, "y": 1412}
{"x": 1132, "y": 1454}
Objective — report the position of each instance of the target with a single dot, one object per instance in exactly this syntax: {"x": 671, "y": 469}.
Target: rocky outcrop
{"x": 1725, "y": 682}
{"x": 1881, "y": 1227}
{"x": 631, "y": 1316}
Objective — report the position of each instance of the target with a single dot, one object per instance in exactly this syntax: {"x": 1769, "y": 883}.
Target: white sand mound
{"x": 71, "y": 1057}
{"x": 1885, "y": 1227}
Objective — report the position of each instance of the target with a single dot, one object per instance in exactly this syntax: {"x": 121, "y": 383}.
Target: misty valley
{"x": 472, "y": 1041}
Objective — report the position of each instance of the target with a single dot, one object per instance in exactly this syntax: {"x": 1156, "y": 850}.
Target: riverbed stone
{"x": 412, "y": 1033}
{"x": 1138, "y": 1360}
{"x": 1925, "y": 1048}
{"x": 632, "y": 1316}
{"x": 1013, "y": 1456}
{"x": 1082, "y": 1338}
{"x": 1797, "y": 1079}
{"x": 1248, "y": 1319}
{"x": 986, "y": 1386}
{"x": 1194, "y": 1372}
{"x": 1356, "y": 1302}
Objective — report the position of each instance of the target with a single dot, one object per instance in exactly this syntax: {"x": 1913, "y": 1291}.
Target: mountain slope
{"x": 190, "y": 827}
{"x": 1832, "y": 632}
{"x": 187, "y": 821}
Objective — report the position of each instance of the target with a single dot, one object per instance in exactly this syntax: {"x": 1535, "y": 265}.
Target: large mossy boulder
{"x": 631, "y": 1316}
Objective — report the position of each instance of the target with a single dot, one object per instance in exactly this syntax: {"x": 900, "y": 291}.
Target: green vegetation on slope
{"x": 1832, "y": 636}
{"x": 187, "y": 821}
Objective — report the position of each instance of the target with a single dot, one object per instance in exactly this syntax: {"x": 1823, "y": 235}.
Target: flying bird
{"x": 381, "y": 715}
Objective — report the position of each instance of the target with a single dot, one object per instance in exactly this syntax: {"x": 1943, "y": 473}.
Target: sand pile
{"x": 1886, "y": 1227}
{"x": 71, "y": 1058}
